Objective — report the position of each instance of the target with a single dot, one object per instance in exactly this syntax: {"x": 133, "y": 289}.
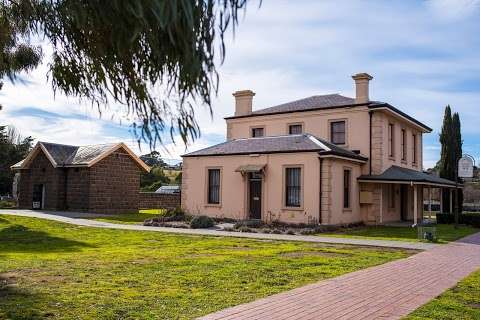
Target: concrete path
{"x": 388, "y": 291}
{"x": 79, "y": 218}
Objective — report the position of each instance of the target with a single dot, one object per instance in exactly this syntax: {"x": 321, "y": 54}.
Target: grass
{"x": 460, "y": 302}
{"x": 59, "y": 271}
{"x": 445, "y": 233}
{"x": 131, "y": 218}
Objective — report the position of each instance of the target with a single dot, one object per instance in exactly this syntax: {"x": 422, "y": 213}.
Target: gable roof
{"x": 276, "y": 144}
{"x": 329, "y": 101}
{"x": 61, "y": 155}
{"x": 399, "y": 174}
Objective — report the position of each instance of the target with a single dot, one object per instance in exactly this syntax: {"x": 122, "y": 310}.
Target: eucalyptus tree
{"x": 155, "y": 58}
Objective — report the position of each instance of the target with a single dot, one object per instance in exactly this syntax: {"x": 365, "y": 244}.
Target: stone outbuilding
{"x": 101, "y": 178}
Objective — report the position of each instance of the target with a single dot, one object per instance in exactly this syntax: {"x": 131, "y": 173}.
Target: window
{"x": 414, "y": 148}
{"x": 404, "y": 145}
{"x": 337, "y": 132}
{"x": 293, "y": 189}
{"x": 214, "y": 186}
{"x": 295, "y": 129}
{"x": 391, "y": 140}
{"x": 257, "y": 132}
{"x": 391, "y": 196}
{"x": 346, "y": 188}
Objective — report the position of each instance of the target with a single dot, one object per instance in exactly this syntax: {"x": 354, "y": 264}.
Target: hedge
{"x": 472, "y": 219}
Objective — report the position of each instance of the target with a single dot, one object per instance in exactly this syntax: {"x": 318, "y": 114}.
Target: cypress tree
{"x": 457, "y": 142}
{"x": 447, "y": 157}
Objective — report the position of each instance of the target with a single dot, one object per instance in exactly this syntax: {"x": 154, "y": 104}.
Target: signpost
{"x": 464, "y": 170}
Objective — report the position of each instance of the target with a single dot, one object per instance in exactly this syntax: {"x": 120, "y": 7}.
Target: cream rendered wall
{"x": 339, "y": 215}
{"x": 234, "y": 190}
{"x": 410, "y": 130}
{"x": 314, "y": 122}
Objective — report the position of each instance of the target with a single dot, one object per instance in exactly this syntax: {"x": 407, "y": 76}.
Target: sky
{"x": 423, "y": 55}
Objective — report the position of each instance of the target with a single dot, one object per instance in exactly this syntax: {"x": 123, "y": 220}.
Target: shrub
{"x": 307, "y": 231}
{"x": 266, "y": 230}
{"x": 5, "y": 204}
{"x": 290, "y": 231}
{"x": 277, "y": 231}
{"x": 249, "y": 224}
{"x": 470, "y": 218}
{"x": 244, "y": 229}
{"x": 201, "y": 222}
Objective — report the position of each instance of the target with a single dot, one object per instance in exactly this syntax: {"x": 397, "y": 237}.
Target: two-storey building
{"x": 325, "y": 159}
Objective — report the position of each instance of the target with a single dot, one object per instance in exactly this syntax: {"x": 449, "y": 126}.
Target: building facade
{"x": 97, "y": 178}
{"x": 326, "y": 159}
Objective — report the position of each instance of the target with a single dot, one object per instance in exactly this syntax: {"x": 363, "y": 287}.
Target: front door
{"x": 255, "y": 203}
{"x": 38, "y": 196}
{"x": 403, "y": 202}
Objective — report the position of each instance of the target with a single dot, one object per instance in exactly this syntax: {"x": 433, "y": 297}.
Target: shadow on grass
{"x": 11, "y": 297}
{"x": 3, "y": 220}
{"x": 18, "y": 238}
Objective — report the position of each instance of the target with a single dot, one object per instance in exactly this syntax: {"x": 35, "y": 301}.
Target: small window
{"x": 214, "y": 186}
{"x": 391, "y": 196}
{"x": 414, "y": 148}
{"x": 346, "y": 188}
{"x": 293, "y": 189}
{"x": 391, "y": 140}
{"x": 257, "y": 132}
{"x": 337, "y": 132}
{"x": 404, "y": 145}
{"x": 295, "y": 129}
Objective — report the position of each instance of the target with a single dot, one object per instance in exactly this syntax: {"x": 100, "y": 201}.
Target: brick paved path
{"x": 388, "y": 291}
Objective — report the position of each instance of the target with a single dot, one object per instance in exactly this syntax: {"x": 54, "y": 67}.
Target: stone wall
{"x": 115, "y": 184}
{"x": 152, "y": 200}
{"x": 41, "y": 171}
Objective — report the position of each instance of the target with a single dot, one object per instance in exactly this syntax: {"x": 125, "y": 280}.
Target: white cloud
{"x": 287, "y": 50}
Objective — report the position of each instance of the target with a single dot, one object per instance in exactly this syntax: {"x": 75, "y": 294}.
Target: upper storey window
{"x": 337, "y": 132}
{"x": 391, "y": 140}
{"x": 257, "y": 132}
{"x": 404, "y": 145}
{"x": 414, "y": 148}
{"x": 295, "y": 129}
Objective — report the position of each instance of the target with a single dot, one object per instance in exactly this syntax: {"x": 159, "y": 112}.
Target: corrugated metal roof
{"x": 400, "y": 174}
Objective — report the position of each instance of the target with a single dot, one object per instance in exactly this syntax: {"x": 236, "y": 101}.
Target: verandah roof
{"x": 396, "y": 174}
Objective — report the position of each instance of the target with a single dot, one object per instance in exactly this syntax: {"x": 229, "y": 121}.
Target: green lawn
{"x": 131, "y": 218}
{"x": 460, "y": 302}
{"x": 59, "y": 271}
{"x": 445, "y": 233}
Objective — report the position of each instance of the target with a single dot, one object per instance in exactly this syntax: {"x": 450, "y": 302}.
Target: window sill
{"x": 292, "y": 208}
{"x": 347, "y": 210}
{"x": 213, "y": 205}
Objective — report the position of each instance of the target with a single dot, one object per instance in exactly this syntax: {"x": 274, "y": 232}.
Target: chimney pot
{"x": 361, "y": 87}
{"x": 243, "y": 102}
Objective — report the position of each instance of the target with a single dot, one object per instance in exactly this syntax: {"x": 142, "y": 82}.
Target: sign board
{"x": 465, "y": 167}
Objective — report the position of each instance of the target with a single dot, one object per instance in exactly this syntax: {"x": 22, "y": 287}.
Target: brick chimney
{"x": 361, "y": 87}
{"x": 243, "y": 102}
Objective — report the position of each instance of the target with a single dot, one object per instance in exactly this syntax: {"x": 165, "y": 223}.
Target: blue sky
{"x": 422, "y": 54}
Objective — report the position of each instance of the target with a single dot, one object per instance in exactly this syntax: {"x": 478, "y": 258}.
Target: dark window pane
{"x": 337, "y": 132}
{"x": 257, "y": 132}
{"x": 346, "y": 188}
{"x": 295, "y": 129}
{"x": 214, "y": 186}
{"x": 293, "y": 190}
